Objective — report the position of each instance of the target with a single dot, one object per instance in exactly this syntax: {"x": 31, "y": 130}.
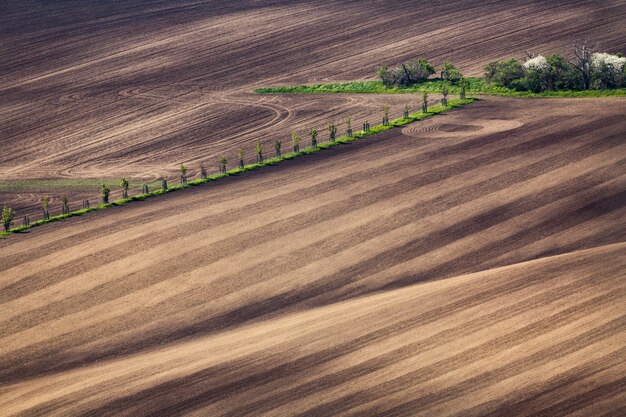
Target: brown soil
{"x": 476, "y": 274}
{"x": 94, "y": 89}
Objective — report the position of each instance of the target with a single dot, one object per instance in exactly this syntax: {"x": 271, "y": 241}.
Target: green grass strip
{"x": 475, "y": 85}
{"x": 432, "y": 111}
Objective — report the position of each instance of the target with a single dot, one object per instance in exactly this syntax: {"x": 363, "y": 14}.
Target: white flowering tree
{"x": 607, "y": 70}
{"x": 537, "y": 63}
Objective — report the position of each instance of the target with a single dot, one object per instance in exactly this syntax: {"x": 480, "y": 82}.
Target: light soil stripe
{"x": 297, "y": 325}
{"x": 390, "y": 346}
{"x": 500, "y": 232}
{"x": 507, "y": 353}
{"x": 323, "y": 269}
{"x": 164, "y": 252}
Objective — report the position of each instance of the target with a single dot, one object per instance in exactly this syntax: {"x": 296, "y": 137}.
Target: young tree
{"x": 295, "y": 141}
{"x": 223, "y": 161}
{"x": 45, "y": 203}
{"x": 65, "y": 205}
{"x": 405, "y": 111}
{"x": 348, "y": 121}
{"x": 259, "y": 152}
{"x": 313, "y": 135}
{"x": 424, "y": 102}
{"x": 332, "y": 131}
{"x": 124, "y": 184}
{"x": 462, "y": 90}
{"x": 105, "y": 193}
{"x": 450, "y": 73}
{"x": 444, "y": 93}
{"x": 277, "y": 146}
{"x": 241, "y": 153}
{"x": 7, "y": 217}
{"x": 385, "y": 115}
{"x": 183, "y": 174}
{"x": 203, "y": 173}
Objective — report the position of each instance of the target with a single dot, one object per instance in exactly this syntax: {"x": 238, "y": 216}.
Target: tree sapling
{"x": 7, "y": 217}
{"x": 313, "y": 135}
{"x": 295, "y": 141}
{"x": 183, "y": 174}
{"x": 277, "y": 146}
{"x": 65, "y": 205}
{"x": 259, "y": 152}
{"x": 241, "y": 153}
{"x": 45, "y": 203}
{"x": 105, "y": 193}
{"x": 348, "y": 121}
{"x": 332, "y": 131}
{"x": 124, "y": 184}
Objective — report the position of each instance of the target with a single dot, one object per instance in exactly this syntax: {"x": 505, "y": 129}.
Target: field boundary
{"x": 399, "y": 122}
{"x": 475, "y": 85}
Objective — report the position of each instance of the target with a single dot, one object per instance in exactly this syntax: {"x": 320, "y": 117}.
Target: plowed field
{"x": 96, "y": 90}
{"x": 472, "y": 264}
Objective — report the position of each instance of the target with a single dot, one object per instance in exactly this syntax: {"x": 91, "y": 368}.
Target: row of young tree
{"x": 8, "y": 214}
{"x": 589, "y": 69}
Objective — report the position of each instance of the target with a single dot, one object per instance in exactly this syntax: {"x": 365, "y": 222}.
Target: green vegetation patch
{"x": 474, "y": 85}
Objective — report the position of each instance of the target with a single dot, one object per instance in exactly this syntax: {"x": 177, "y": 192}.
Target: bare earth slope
{"x": 472, "y": 264}
{"x": 94, "y": 89}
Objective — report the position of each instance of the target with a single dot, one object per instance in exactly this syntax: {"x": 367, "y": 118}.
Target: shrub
{"x": 450, "y": 73}
{"x": 124, "y": 184}
{"x": 607, "y": 70}
{"x": 223, "y": 161}
{"x": 504, "y": 72}
{"x": 7, "y": 217}
{"x": 551, "y": 73}
{"x": 406, "y": 74}
{"x": 105, "y": 193}
{"x": 562, "y": 75}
